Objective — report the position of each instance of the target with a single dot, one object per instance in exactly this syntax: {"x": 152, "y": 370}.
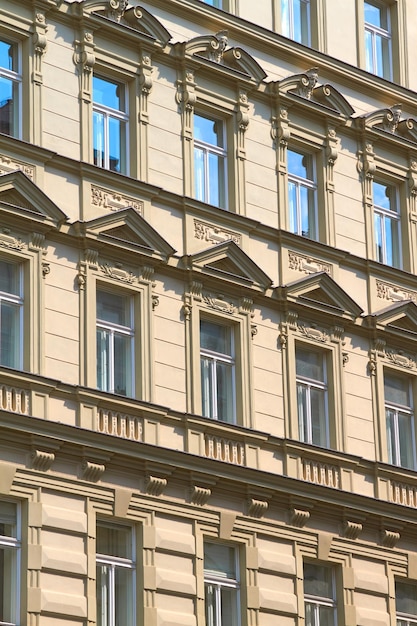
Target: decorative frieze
{"x": 321, "y": 473}
{"x": 313, "y": 332}
{"x": 387, "y": 291}
{"x": 14, "y": 400}
{"x": 10, "y": 165}
{"x": 218, "y": 303}
{"x": 7, "y": 240}
{"x": 307, "y": 264}
{"x": 106, "y": 199}
{"x": 221, "y": 449}
{"x": 118, "y": 273}
{"x": 214, "y": 234}
{"x": 119, "y": 425}
{"x": 406, "y": 495}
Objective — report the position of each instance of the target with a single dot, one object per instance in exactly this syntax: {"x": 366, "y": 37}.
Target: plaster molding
{"x": 113, "y": 200}
{"x": 215, "y": 234}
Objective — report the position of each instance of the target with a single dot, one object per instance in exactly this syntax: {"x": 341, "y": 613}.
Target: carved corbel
{"x": 186, "y": 98}
{"x": 84, "y": 59}
{"x": 39, "y": 42}
{"x": 145, "y": 87}
{"x": 299, "y": 517}
{"x": 147, "y": 273}
{"x": 41, "y": 460}
{"x": 242, "y": 121}
{"x": 246, "y": 305}
{"x": 389, "y": 538}
{"x": 200, "y": 495}
{"x": 37, "y": 242}
{"x": 92, "y": 471}
{"x": 155, "y": 485}
{"x": 351, "y": 530}
{"x": 257, "y": 508}
{"x": 412, "y": 186}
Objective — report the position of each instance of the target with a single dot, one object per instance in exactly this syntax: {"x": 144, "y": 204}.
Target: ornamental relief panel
{"x": 387, "y": 291}
{"x": 313, "y": 332}
{"x": 401, "y": 359}
{"x": 214, "y": 234}
{"x": 118, "y": 273}
{"x": 106, "y": 199}
{"x": 306, "y": 264}
{"x": 11, "y": 165}
{"x": 218, "y": 303}
{"x": 7, "y": 240}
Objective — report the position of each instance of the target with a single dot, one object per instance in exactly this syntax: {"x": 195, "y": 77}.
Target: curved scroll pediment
{"x": 126, "y": 230}
{"x": 228, "y": 261}
{"x": 320, "y": 291}
{"x": 305, "y": 86}
{"x": 136, "y": 17}
{"x": 214, "y": 48}
{"x": 389, "y": 120}
{"x": 19, "y": 196}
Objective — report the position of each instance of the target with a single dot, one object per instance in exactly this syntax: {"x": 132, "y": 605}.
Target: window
{"x": 377, "y": 39}
{"x": 217, "y": 371}
{"x": 319, "y": 595}
{"x": 10, "y": 83}
{"x": 221, "y": 585}
{"x": 312, "y": 397}
{"x": 301, "y": 195}
{"x": 400, "y": 420}
{"x": 295, "y": 16}
{"x": 115, "y": 335}
{"x": 406, "y": 604}
{"x": 115, "y": 581}
{"x": 109, "y": 124}
{"x": 11, "y": 314}
{"x": 214, "y": 3}
{"x": 9, "y": 564}
{"x": 386, "y": 224}
{"x": 209, "y": 161}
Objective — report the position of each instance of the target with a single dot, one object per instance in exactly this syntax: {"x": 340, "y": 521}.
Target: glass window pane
{"x": 10, "y": 278}
{"x": 103, "y": 359}
{"x": 207, "y": 387}
{"x": 406, "y": 598}
{"x": 391, "y": 448}
{"x": 379, "y": 248}
{"x": 373, "y": 14}
{"x": 216, "y": 179}
{"x": 285, "y": 18}
{"x": 123, "y": 596}
{"x": 302, "y": 400}
{"x": 309, "y": 364}
{"x": 114, "y": 541}
{"x": 199, "y": 178}
{"x": 117, "y": 144}
{"x": 318, "y": 417}
{"x": 224, "y": 391}
{"x": 369, "y": 53}
{"x": 397, "y": 389}
{"x": 392, "y": 242}
{"x": 228, "y": 606}
{"x": 292, "y": 204}
{"x": 210, "y": 597}
{"x": 98, "y": 139}
{"x": 307, "y": 212}
{"x": 318, "y": 581}
{"x": 297, "y": 164}
{"x": 10, "y": 334}
{"x": 113, "y": 308}
{"x": 103, "y": 595}
{"x": 326, "y": 616}
{"x": 108, "y": 93}
{"x": 208, "y": 130}
{"x": 220, "y": 560}
{"x": 122, "y": 364}
{"x": 8, "y": 516}
{"x": 406, "y": 439}
{"x": 215, "y": 337}
{"x": 384, "y": 196}
{"x": 8, "y": 585}
{"x": 8, "y": 56}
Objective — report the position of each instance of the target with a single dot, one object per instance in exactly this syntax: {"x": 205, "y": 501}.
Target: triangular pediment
{"x": 319, "y": 291}
{"x": 19, "y": 196}
{"x": 227, "y": 261}
{"x": 215, "y": 48}
{"x": 136, "y": 17}
{"x": 400, "y": 317}
{"x": 128, "y": 231}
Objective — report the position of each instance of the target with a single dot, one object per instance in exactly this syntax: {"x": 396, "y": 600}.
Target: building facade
{"x": 208, "y": 320}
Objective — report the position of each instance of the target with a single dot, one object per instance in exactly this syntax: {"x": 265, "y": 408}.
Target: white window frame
{"x": 218, "y": 151}
{"x": 220, "y": 582}
{"x": 308, "y": 384}
{"x": 16, "y": 300}
{"x": 394, "y": 454}
{"x": 117, "y": 329}
{"x": 217, "y": 357}
{"x": 318, "y": 601}
{"x": 376, "y": 32}
{"x": 290, "y": 33}
{"x": 108, "y": 114}
{"x": 392, "y": 215}
{"x": 15, "y": 77}
{"x": 14, "y": 543}
{"x": 113, "y": 562}
{"x": 311, "y": 185}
